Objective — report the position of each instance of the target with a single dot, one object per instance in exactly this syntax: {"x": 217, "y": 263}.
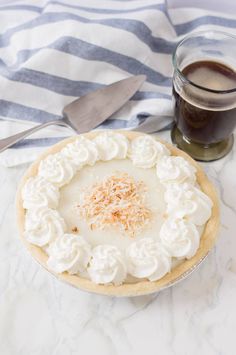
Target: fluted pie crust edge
{"x": 207, "y": 241}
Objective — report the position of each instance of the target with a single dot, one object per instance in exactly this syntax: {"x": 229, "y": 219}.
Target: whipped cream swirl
{"x": 38, "y": 192}
{"x": 145, "y": 151}
{"x": 56, "y": 169}
{"x": 69, "y": 253}
{"x": 111, "y": 145}
{"x": 180, "y": 238}
{"x": 185, "y": 200}
{"x": 107, "y": 265}
{"x": 147, "y": 258}
{"x": 175, "y": 169}
{"x": 43, "y": 225}
{"x": 81, "y": 152}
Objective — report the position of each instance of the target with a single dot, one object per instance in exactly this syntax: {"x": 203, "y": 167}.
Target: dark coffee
{"x": 201, "y": 115}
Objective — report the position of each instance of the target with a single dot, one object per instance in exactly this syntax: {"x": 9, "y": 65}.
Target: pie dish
{"x": 117, "y": 213}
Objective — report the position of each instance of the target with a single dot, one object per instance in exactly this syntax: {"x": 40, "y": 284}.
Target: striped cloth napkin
{"x": 52, "y": 52}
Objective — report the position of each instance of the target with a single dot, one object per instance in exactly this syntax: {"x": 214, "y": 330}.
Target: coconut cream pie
{"x": 117, "y": 213}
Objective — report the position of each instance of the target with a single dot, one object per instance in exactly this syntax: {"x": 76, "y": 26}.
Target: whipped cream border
{"x": 67, "y": 164}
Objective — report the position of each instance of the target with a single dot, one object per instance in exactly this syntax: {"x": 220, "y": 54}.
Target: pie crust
{"x": 207, "y": 240}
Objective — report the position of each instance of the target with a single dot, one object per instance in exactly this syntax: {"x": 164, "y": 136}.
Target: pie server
{"x": 88, "y": 111}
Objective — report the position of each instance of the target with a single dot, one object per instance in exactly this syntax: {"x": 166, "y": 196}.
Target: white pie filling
{"x": 179, "y": 210}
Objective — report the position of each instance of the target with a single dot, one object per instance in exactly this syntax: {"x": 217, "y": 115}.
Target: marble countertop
{"x": 40, "y": 315}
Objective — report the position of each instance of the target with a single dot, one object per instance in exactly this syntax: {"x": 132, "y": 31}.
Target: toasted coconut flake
{"x": 75, "y": 230}
{"x": 116, "y": 201}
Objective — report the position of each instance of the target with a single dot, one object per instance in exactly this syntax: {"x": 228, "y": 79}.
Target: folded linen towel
{"x": 52, "y": 52}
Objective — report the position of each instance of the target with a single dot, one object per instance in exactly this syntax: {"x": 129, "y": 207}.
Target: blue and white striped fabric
{"x": 52, "y": 52}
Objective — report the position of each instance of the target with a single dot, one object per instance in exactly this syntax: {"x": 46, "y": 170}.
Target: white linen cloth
{"x": 52, "y": 52}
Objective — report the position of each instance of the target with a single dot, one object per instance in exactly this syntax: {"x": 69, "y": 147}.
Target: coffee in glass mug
{"x": 204, "y": 94}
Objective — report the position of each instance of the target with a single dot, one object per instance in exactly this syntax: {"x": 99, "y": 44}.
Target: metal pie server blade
{"x": 90, "y": 110}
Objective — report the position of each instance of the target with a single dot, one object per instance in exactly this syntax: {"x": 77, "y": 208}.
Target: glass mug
{"x": 204, "y": 94}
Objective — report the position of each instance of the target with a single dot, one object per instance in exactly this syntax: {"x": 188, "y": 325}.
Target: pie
{"x": 117, "y": 213}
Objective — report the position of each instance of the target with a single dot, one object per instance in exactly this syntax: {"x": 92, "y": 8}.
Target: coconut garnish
{"x": 117, "y": 201}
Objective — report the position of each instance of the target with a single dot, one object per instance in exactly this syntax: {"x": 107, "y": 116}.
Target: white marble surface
{"x": 40, "y": 315}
